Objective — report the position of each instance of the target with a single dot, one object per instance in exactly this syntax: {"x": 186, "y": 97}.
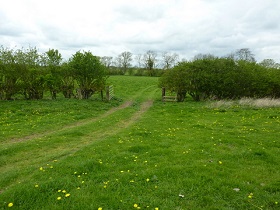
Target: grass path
{"x": 73, "y": 125}
{"x": 67, "y": 140}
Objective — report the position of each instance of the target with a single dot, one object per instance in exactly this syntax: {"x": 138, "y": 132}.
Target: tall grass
{"x": 251, "y": 102}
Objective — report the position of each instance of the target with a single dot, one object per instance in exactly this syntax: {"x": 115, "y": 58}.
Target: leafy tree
{"x": 9, "y": 76}
{"x": 176, "y": 80}
{"x": 67, "y": 80}
{"x": 89, "y": 73}
{"x": 53, "y": 79}
{"x": 32, "y": 79}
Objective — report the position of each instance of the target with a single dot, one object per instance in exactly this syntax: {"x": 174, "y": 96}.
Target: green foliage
{"x": 89, "y": 73}
{"x": 222, "y": 78}
{"x": 30, "y": 74}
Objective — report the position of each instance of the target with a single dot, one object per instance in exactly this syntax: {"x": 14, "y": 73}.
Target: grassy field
{"x": 137, "y": 152}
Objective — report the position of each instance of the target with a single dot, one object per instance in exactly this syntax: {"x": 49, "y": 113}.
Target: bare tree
{"x": 244, "y": 54}
{"x": 107, "y": 61}
{"x": 124, "y": 60}
{"x": 269, "y": 63}
{"x": 201, "y": 56}
{"x": 138, "y": 59}
{"x": 169, "y": 60}
{"x": 150, "y": 59}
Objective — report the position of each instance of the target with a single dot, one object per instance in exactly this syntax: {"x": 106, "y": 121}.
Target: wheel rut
{"x": 73, "y": 125}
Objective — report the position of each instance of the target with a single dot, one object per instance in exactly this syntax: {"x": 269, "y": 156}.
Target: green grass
{"x": 170, "y": 156}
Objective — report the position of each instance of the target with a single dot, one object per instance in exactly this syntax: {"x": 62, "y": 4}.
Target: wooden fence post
{"x": 109, "y": 92}
{"x": 162, "y": 93}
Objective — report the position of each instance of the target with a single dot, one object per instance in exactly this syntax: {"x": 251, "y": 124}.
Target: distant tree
{"x": 124, "y": 61}
{"x": 201, "y": 56}
{"x": 150, "y": 59}
{"x": 107, "y": 61}
{"x": 269, "y": 63}
{"x": 138, "y": 59}
{"x": 169, "y": 60}
{"x": 244, "y": 54}
{"x": 89, "y": 73}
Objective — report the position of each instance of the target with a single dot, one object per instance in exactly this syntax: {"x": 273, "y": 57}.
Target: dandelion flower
{"x": 67, "y": 195}
{"x": 36, "y": 185}
{"x": 41, "y": 168}
{"x": 135, "y": 205}
{"x": 64, "y": 191}
{"x": 99, "y": 208}
{"x": 58, "y": 198}
{"x": 59, "y": 191}
{"x": 220, "y": 162}
{"x": 156, "y": 208}
{"x": 10, "y": 204}
{"x": 147, "y": 179}
{"x": 250, "y": 195}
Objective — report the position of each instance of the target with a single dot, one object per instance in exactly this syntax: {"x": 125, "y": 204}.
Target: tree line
{"x": 231, "y": 77}
{"x": 28, "y": 73}
{"x": 150, "y": 63}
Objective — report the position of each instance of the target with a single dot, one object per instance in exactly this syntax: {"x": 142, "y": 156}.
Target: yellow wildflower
{"x": 10, "y": 204}
{"x": 67, "y": 195}
{"x": 59, "y": 198}
{"x": 250, "y": 195}
{"x": 99, "y": 208}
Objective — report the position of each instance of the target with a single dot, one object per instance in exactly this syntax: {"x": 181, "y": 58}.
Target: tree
{"x": 89, "y": 73}
{"x": 169, "y": 60}
{"x": 150, "y": 59}
{"x": 107, "y": 61}
{"x": 176, "y": 80}
{"x": 67, "y": 80}
{"x": 138, "y": 59}
{"x": 269, "y": 63}
{"x": 53, "y": 79}
{"x": 244, "y": 54}
{"x": 9, "y": 76}
{"x": 29, "y": 64}
{"x": 124, "y": 61}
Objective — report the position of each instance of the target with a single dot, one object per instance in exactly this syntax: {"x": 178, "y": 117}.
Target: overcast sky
{"x": 110, "y": 27}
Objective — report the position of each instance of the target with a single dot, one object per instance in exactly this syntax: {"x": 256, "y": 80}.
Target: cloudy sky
{"x": 110, "y": 27}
